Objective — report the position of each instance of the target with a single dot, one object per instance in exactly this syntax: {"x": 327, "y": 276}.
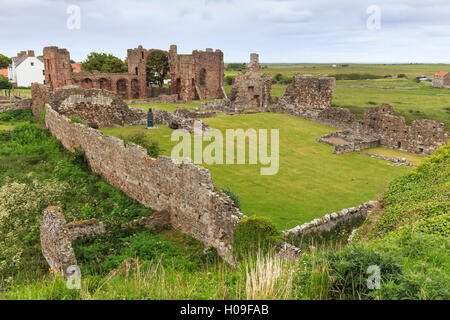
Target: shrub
{"x": 28, "y": 134}
{"x": 233, "y": 196}
{"x": 348, "y": 272}
{"x": 401, "y": 75}
{"x": 152, "y": 147}
{"x": 229, "y": 80}
{"x": 16, "y": 115}
{"x": 255, "y": 233}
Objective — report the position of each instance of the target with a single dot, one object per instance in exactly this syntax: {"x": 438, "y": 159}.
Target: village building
{"x": 441, "y": 80}
{"x": 26, "y": 69}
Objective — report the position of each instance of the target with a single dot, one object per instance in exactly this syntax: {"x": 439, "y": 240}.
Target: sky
{"x": 316, "y": 31}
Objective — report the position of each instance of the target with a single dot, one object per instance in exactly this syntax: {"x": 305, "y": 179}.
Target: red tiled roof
{"x": 441, "y": 74}
{"x": 76, "y": 67}
{"x": 4, "y": 72}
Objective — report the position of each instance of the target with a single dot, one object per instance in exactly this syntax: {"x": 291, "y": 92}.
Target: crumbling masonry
{"x": 252, "y": 89}
{"x": 196, "y": 76}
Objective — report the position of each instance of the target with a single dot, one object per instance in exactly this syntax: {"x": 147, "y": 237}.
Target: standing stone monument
{"x": 150, "y": 120}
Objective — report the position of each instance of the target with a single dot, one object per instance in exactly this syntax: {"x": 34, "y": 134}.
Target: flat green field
{"x": 311, "y": 181}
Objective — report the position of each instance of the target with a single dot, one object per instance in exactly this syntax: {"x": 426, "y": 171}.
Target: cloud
{"x": 280, "y": 30}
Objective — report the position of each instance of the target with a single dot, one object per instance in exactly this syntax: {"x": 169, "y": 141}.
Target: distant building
{"x": 441, "y": 80}
{"x": 4, "y": 72}
{"x": 26, "y": 69}
{"x": 76, "y": 67}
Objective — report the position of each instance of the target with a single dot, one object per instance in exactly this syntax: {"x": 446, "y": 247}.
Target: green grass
{"x": 411, "y": 157}
{"x": 311, "y": 181}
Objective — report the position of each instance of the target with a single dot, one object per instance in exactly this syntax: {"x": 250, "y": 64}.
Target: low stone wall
{"x": 157, "y": 91}
{"x": 177, "y": 120}
{"x": 346, "y": 141}
{"x": 57, "y": 236}
{"x": 169, "y": 98}
{"x": 185, "y": 113}
{"x": 185, "y": 190}
{"x": 397, "y": 162}
{"x": 15, "y": 105}
{"x": 331, "y": 221}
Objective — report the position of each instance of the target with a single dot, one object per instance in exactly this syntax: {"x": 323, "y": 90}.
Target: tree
{"x": 105, "y": 63}
{"x": 4, "y": 83}
{"x": 4, "y": 61}
{"x": 157, "y": 68}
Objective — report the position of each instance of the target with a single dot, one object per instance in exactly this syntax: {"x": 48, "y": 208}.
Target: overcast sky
{"x": 279, "y": 30}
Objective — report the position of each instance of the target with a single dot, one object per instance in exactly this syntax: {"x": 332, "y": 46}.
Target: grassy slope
{"x": 311, "y": 181}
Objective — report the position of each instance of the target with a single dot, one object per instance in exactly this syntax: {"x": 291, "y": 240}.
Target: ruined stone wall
{"x": 57, "y": 67}
{"x": 14, "y": 104}
{"x": 329, "y": 222}
{"x": 57, "y": 236}
{"x": 196, "y": 76}
{"x": 125, "y": 85}
{"x": 98, "y": 108}
{"x": 252, "y": 89}
{"x": 40, "y": 96}
{"x": 422, "y": 137}
{"x": 183, "y": 189}
{"x": 309, "y": 92}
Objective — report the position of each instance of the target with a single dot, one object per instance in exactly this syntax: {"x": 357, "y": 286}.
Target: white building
{"x": 26, "y": 69}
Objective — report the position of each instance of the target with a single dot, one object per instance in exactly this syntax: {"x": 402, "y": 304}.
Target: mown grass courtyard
{"x": 311, "y": 181}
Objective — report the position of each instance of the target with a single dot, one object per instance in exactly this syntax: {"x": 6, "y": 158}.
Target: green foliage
{"x": 105, "y": 63}
{"x": 4, "y": 61}
{"x": 233, "y": 196}
{"x": 157, "y": 68}
{"x": 152, "y": 147}
{"x": 76, "y": 119}
{"x": 281, "y": 79}
{"x": 355, "y": 76}
{"x": 254, "y": 233}
{"x": 28, "y": 134}
{"x": 4, "y": 83}
{"x": 229, "y": 80}
{"x": 236, "y": 67}
{"x": 16, "y": 115}
{"x": 421, "y": 195}
{"x": 402, "y": 75}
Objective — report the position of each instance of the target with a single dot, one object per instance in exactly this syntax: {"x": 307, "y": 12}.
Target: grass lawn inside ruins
{"x": 311, "y": 181}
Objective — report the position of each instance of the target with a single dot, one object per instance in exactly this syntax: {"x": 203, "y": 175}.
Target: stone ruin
{"x": 380, "y": 127}
{"x": 102, "y": 108}
{"x": 309, "y": 92}
{"x": 252, "y": 89}
{"x": 196, "y": 76}
{"x": 57, "y": 236}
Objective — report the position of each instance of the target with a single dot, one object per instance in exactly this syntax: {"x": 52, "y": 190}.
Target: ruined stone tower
{"x": 57, "y": 67}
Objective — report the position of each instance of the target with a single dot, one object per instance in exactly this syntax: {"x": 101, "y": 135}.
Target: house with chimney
{"x": 26, "y": 69}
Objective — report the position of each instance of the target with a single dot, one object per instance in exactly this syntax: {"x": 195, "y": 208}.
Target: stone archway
{"x": 122, "y": 88}
{"x": 104, "y": 84}
{"x": 87, "y": 83}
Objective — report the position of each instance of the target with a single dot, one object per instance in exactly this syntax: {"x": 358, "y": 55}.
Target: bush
{"x": 348, "y": 272}
{"x": 233, "y": 196}
{"x": 255, "y": 233}
{"x": 229, "y": 80}
{"x": 28, "y": 134}
{"x": 401, "y": 75}
{"x": 16, "y": 115}
{"x": 152, "y": 147}
{"x": 4, "y": 83}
